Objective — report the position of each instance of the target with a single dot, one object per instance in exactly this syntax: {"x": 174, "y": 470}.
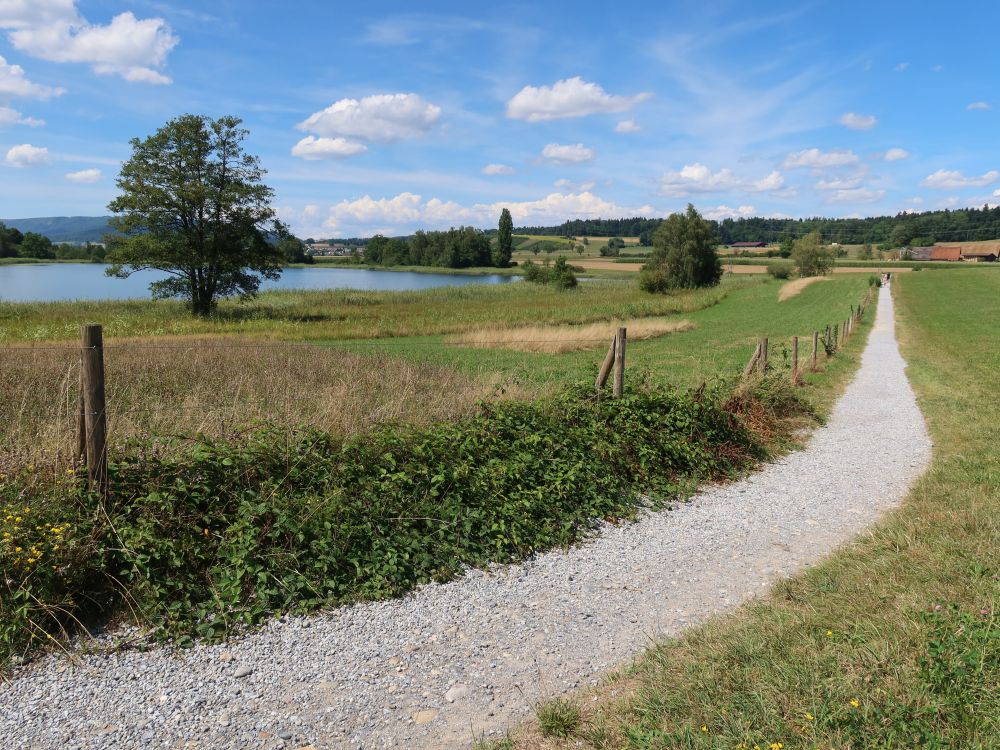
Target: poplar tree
{"x": 505, "y": 240}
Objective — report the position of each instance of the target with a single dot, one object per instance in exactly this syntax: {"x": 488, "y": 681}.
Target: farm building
{"x": 979, "y": 256}
{"x": 748, "y": 244}
{"x": 946, "y": 253}
{"x": 920, "y": 253}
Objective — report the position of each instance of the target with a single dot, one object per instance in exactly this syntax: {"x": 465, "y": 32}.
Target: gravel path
{"x": 429, "y": 670}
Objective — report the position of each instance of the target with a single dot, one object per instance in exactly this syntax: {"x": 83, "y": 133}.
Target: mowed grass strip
{"x": 892, "y": 642}
{"x": 562, "y": 339}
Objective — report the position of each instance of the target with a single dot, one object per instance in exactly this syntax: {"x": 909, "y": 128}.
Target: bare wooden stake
{"x": 609, "y": 359}
{"x": 619, "y": 383}
{"x": 752, "y": 364}
{"x": 762, "y": 362}
{"x": 95, "y": 416}
{"x": 81, "y": 428}
{"x": 795, "y": 358}
{"x": 815, "y": 349}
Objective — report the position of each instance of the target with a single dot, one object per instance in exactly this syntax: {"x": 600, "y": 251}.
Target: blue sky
{"x": 376, "y": 117}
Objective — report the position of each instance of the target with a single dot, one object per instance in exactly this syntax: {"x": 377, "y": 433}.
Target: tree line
{"x": 464, "y": 247}
{"x": 913, "y": 229}
{"x": 15, "y": 244}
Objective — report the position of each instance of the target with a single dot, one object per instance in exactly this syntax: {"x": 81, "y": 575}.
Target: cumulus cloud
{"x": 697, "y": 178}
{"x": 627, "y": 126}
{"x": 896, "y": 154}
{"x": 312, "y": 148}
{"x": 408, "y": 211}
{"x": 497, "y": 169}
{"x": 569, "y": 186}
{"x": 84, "y": 175}
{"x": 856, "y": 195}
{"x": 13, "y": 84}
{"x": 978, "y": 105}
{"x": 381, "y": 117}
{"x": 572, "y": 97}
{"x": 54, "y": 30}
{"x": 573, "y": 153}
{"x": 855, "y": 121}
{"x": 26, "y": 155}
{"x": 725, "y": 212}
{"x": 951, "y": 179}
{"x": 839, "y": 184}
{"x": 10, "y": 116}
{"x": 816, "y": 159}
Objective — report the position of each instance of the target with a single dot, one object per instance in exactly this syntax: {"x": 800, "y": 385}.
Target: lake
{"x": 52, "y": 282}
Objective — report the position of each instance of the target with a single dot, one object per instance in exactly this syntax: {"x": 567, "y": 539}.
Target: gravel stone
{"x": 379, "y": 674}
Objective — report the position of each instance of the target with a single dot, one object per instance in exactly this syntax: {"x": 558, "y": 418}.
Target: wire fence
{"x": 165, "y": 391}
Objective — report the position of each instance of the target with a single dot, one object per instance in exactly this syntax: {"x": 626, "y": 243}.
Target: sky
{"x": 376, "y": 117}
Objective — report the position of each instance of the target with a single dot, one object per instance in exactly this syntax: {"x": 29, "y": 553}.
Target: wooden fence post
{"x": 81, "y": 427}
{"x": 609, "y": 359}
{"x": 836, "y": 344}
{"x": 619, "y": 384}
{"x": 815, "y": 349}
{"x": 762, "y": 362}
{"x": 95, "y": 416}
{"x": 795, "y": 358}
{"x": 752, "y": 364}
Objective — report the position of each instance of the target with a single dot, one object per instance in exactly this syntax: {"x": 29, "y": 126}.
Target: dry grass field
{"x": 793, "y": 288}
{"x": 562, "y": 339}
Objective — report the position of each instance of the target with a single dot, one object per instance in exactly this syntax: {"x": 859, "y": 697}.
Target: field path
{"x": 429, "y": 670}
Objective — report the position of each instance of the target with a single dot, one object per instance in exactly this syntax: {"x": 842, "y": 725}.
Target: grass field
{"x": 893, "y": 642}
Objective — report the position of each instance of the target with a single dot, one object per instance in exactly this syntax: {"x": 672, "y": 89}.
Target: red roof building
{"x": 946, "y": 253}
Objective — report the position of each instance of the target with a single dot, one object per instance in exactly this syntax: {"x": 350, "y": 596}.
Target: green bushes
{"x": 780, "y": 270}
{"x": 560, "y": 275}
{"x": 221, "y": 534}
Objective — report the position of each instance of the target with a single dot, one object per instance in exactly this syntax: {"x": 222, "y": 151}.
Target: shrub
{"x": 560, "y": 275}
{"x": 220, "y": 534}
{"x": 779, "y": 270}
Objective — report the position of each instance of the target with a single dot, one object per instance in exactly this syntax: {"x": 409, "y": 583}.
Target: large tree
{"x": 683, "y": 255}
{"x": 194, "y": 206}
{"x": 811, "y": 255}
{"x": 505, "y": 240}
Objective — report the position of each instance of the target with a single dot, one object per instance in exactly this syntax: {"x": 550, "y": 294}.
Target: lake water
{"x": 52, "y": 282}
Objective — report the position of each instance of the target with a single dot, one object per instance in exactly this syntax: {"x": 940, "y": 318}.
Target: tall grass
{"x": 562, "y": 339}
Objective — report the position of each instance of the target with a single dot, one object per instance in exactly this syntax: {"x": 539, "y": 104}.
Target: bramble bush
{"x": 207, "y": 536}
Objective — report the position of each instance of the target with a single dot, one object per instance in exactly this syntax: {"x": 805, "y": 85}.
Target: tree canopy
{"x": 463, "y": 247}
{"x": 505, "y": 240}
{"x": 811, "y": 255}
{"x": 193, "y": 205}
{"x": 683, "y": 255}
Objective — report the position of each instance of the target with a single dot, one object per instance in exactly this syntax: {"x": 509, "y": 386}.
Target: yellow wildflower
{"x": 829, "y": 633}
{"x": 855, "y": 702}
{"x": 704, "y": 728}
{"x": 809, "y": 716}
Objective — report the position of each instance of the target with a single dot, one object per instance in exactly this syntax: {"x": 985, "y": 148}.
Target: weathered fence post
{"x": 835, "y": 345}
{"x": 752, "y": 364}
{"x": 609, "y": 359}
{"x": 815, "y": 349}
{"x": 619, "y": 384}
{"x": 81, "y": 428}
{"x": 95, "y": 416}
{"x": 795, "y": 358}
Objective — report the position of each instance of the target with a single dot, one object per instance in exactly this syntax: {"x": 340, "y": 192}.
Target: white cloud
{"x": 10, "y": 116}
{"x": 84, "y": 175}
{"x": 896, "y": 154}
{"x": 725, "y": 212}
{"x": 54, "y": 30}
{"x": 569, "y": 186}
{"x": 856, "y": 195}
{"x": 381, "y": 117}
{"x": 312, "y": 148}
{"x": 978, "y": 105}
{"x": 901, "y": 67}
{"x": 14, "y": 84}
{"x": 497, "y": 169}
{"x": 408, "y": 211}
{"x": 697, "y": 178}
{"x": 945, "y": 179}
{"x": 816, "y": 159}
{"x": 574, "y": 153}
{"x": 855, "y": 121}
{"x": 572, "y": 97}
{"x": 26, "y": 155}
{"x": 839, "y": 184}
{"x": 627, "y": 126}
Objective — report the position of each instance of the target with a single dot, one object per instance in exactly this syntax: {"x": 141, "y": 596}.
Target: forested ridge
{"x": 959, "y": 225}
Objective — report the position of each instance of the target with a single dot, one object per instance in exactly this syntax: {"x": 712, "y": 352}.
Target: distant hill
{"x": 64, "y": 228}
